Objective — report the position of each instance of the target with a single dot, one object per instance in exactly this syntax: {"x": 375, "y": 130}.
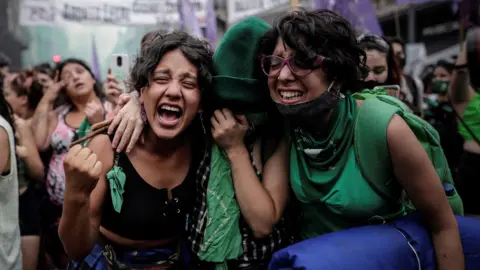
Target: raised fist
{"x": 82, "y": 170}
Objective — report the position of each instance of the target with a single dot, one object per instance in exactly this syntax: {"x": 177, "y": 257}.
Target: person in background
{"x": 4, "y": 64}
{"x": 134, "y": 205}
{"x": 383, "y": 69}
{"x": 10, "y": 250}
{"x": 466, "y": 104}
{"x": 57, "y": 128}
{"x": 313, "y": 62}
{"x": 409, "y": 85}
{"x": 440, "y": 114}
{"x": 44, "y": 75}
{"x": 23, "y": 94}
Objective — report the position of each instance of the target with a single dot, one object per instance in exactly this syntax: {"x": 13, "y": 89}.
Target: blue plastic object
{"x": 403, "y": 245}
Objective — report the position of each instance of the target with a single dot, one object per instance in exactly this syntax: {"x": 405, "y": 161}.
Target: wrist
{"x": 235, "y": 151}
{"x": 76, "y": 199}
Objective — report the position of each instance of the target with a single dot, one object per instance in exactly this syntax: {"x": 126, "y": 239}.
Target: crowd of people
{"x": 217, "y": 158}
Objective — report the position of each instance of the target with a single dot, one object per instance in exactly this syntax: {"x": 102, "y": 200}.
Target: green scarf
{"x": 316, "y": 164}
{"x": 222, "y": 240}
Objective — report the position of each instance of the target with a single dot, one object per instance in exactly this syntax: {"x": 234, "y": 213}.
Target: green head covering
{"x": 236, "y": 84}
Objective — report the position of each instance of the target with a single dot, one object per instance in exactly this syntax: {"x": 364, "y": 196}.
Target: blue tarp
{"x": 403, "y": 245}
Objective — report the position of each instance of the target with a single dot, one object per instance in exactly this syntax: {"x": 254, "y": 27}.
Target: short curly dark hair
{"x": 198, "y": 52}
{"x": 321, "y": 32}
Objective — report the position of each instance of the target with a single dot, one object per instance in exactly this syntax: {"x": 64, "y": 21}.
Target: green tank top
{"x": 326, "y": 180}
{"x": 471, "y": 118}
{"x": 349, "y": 202}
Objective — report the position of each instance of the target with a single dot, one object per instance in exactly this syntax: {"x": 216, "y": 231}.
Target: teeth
{"x": 290, "y": 94}
{"x": 170, "y": 108}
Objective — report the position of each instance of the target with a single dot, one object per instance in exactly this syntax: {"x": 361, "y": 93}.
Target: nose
{"x": 174, "y": 91}
{"x": 285, "y": 74}
{"x": 370, "y": 77}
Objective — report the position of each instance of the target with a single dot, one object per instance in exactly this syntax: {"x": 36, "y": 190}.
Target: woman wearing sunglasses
{"x": 313, "y": 61}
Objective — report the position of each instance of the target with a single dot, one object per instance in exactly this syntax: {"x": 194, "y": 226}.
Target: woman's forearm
{"x": 76, "y": 231}
{"x": 40, "y": 123}
{"x": 255, "y": 203}
{"x": 460, "y": 82}
{"x": 448, "y": 250}
{"x": 35, "y": 168}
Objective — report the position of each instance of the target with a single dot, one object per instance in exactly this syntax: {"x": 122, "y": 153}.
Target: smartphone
{"x": 120, "y": 67}
{"x": 392, "y": 90}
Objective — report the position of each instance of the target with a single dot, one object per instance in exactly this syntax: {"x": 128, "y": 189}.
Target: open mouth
{"x": 78, "y": 85}
{"x": 169, "y": 113}
{"x": 290, "y": 96}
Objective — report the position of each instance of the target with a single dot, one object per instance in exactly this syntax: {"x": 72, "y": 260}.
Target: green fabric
{"x": 237, "y": 88}
{"x": 222, "y": 239}
{"x": 321, "y": 161}
{"x": 440, "y": 87}
{"x": 471, "y": 118}
{"x": 83, "y": 131}
{"x": 332, "y": 192}
{"x": 116, "y": 180}
{"x": 236, "y": 63}
{"x": 372, "y": 152}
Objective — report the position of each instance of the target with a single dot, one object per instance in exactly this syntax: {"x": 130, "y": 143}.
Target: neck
{"x": 162, "y": 147}
{"x": 25, "y": 113}
{"x": 318, "y": 125}
{"x": 81, "y": 102}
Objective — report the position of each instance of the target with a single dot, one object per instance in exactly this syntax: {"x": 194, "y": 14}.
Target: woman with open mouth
{"x": 132, "y": 207}
{"x": 81, "y": 99}
{"x": 313, "y": 61}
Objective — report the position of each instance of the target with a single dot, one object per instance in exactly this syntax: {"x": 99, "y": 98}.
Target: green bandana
{"x": 116, "y": 179}
{"x": 311, "y": 157}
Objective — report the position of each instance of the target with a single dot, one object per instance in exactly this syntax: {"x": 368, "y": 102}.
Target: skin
{"x": 398, "y": 52}
{"x": 412, "y": 168}
{"x": 377, "y": 62}
{"x": 5, "y": 156}
{"x": 44, "y": 80}
{"x": 461, "y": 92}
{"x": 441, "y": 74}
{"x": 164, "y": 148}
{"x": 261, "y": 202}
{"x": 27, "y": 151}
{"x": 79, "y": 86}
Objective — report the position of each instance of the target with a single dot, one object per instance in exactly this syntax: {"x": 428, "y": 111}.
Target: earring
{"x": 143, "y": 114}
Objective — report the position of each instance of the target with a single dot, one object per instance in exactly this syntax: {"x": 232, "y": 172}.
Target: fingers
{"x": 97, "y": 169}
{"x": 127, "y": 134}
{"x": 215, "y": 123}
{"x": 137, "y": 131}
{"x": 84, "y": 154}
{"x": 119, "y": 132}
{"x": 116, "y": 121}
{"x": 57, "y": 74}
{"x": 75, "y": 150}
{"x": 91, "y": 160}
{"x": 219, "y": 116}
{"x": 227, "y": 114}
{"x": 124, "y": 99}
{"x": 242, "y": 119}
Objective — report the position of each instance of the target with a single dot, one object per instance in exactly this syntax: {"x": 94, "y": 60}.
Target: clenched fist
{"x": 228, "y": 130}
{"x": 82, "y": 170}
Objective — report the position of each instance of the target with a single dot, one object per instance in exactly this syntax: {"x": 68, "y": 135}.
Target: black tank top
{"x": 147, "y": 213}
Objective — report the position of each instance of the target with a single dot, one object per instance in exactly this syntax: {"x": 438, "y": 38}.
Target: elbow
{"x": 262, "y": 231}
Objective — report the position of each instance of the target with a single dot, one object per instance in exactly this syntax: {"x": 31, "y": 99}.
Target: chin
{"x": 168, "y": 133}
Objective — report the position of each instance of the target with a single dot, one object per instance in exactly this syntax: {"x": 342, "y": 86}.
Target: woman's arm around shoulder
{"x": 416, "y": 174}
{"x": 85, "y": 190}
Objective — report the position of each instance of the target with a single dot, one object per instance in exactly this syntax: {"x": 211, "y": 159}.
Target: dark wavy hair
{"x": 24, "y": 84}
{"x": 197, "y": 51}
{"x": 378, "y": 43}
{"x": 97, "y": 88}
{"x": 321, "y": 32}
{"x": 44, "y": 68}
{"x": 5, "y": 109}
{"x": 448, "y": 66}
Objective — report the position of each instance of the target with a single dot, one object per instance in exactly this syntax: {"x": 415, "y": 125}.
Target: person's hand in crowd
{"x": 21, "y": 127}
{"x": 94, "y": 112}
{"x": 111, "y": 88}
{"x": 54, "y": 89}
{"x": 82, "y": 170}
{"x": 229, "y": 130}
{"x": 127, "y": 124}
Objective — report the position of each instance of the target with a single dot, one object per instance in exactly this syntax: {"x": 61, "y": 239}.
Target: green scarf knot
{"x": 116, "y": 178}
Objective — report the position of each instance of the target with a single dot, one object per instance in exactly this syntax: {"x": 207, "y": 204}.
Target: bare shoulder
{"x": 102, "y": 147}
{"x": 398, "y": 128}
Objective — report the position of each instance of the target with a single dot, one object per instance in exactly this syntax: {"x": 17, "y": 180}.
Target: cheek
{"x": 272, "y": 84}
